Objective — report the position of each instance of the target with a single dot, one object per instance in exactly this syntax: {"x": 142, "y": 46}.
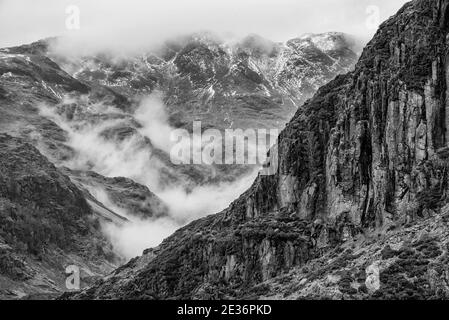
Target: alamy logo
{"x": 72, "y": 281}
{"x": 233, "y": 146}
{"x": 372, "y": 281}
{"x": 72, "y": 21}
{"x": 373, "y": 18}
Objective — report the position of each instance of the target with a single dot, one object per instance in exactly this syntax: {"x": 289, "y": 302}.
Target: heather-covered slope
{"x": 408, "y": 262}
{"x": 366, "y": 154}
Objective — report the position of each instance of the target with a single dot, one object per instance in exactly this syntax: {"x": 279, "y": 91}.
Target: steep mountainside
{"x": 54, "y": 195}
{"x": 46, "y": 224}
{"x": 362, "y": 181}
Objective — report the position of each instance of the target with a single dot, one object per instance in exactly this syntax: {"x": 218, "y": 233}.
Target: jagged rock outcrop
{"x": 365, "y": 154}
{"x": 367, "y": 147}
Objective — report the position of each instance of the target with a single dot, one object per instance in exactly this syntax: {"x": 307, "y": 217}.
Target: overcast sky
{"x": 131, "y": 23}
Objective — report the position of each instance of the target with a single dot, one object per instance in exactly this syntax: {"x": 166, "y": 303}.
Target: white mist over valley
{"x": 133, "y": 158}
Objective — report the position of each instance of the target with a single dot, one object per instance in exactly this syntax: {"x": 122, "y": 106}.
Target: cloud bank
{"x": 132, "y": 158}
{"x": 136, "y": 24}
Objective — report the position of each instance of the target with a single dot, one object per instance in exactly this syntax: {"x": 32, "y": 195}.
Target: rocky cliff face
{"x": 367, "y": 154}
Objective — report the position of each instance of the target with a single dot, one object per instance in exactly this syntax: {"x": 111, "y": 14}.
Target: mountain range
{"x": 81, "y": 149}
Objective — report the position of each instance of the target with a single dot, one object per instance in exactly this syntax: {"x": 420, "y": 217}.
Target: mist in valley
{"x": 133, "y": 157}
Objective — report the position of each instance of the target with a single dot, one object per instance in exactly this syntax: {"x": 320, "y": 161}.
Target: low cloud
{"x": 153, "y": 118}
{"x": 108, "y": 25}
{"x": 132, "y": 238}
